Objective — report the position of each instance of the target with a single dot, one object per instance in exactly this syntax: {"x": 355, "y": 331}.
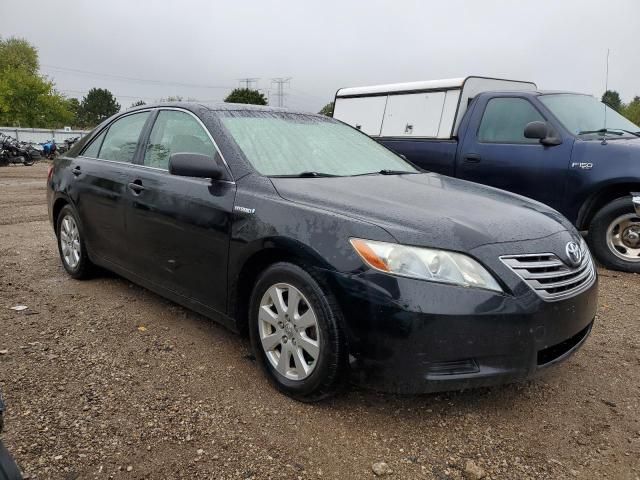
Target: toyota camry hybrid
{"x": 338, "y": 258}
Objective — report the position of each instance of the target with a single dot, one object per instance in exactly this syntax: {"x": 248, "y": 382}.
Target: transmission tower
{"x": 247, "y": 82}
{"x": 279, "y": 93}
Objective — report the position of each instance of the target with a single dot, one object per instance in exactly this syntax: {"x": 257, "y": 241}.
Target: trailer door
{"x": 363, "y": 113}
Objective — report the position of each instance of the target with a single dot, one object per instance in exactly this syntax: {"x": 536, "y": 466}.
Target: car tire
{"x": 609, "y": 236}
{"x": 71, "y": 245}
{"x": 310, "y": 334}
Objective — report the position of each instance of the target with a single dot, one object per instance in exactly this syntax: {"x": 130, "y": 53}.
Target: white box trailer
{"x": 427, "y": 109}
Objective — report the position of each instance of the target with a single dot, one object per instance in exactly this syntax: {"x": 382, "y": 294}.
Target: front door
{"x": 179, "y": 227}
{"x": 498, "y": 154}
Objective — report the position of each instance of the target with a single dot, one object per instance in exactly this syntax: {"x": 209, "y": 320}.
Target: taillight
{"x": 49, "y": 173}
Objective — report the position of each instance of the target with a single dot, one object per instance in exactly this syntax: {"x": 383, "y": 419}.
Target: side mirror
{"x": 543, "y": 132}
{"x": 194, "y": 165}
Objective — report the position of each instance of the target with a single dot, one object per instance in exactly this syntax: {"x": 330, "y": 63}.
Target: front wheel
{"x": 614, "y": 236}
{"x": 28, "y": 161}
{"x": 296, "y": 333}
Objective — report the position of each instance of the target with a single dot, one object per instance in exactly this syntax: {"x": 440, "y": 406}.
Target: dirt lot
{"x": 104, "y": 379}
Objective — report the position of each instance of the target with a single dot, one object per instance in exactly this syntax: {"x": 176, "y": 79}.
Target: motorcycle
{"x": 49, "y": 149}
{"x": 67, "y": 145}
{"x": 13, "y": 151}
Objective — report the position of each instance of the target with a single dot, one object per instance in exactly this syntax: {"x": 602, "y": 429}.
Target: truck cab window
{"x": 504, "y": 120}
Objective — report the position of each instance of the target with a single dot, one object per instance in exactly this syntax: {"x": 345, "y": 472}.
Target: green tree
{"x": 139, "y": 103}
{"x": 29, "y": 100}
{"x": 632, "y": 110}
{"x": 327, "y": 110}
{"x": 612, "y": 98}
{"x": 96, "y": 106}
{"x": 246, "y": 95}
{"x": 73, "y": 105}
{"x": 18, "y": 53}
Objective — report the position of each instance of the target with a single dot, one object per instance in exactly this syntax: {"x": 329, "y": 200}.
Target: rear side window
{"x": 175, "y": 132}
{"x": 93, "y": 149}
{"x": 122, "y": 137}
{"x": 504, "y": 120}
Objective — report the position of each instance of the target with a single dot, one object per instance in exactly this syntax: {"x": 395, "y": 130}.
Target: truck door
{"x": 495, "y": 152}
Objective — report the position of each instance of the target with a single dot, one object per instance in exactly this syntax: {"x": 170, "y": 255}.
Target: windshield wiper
{"x": 616, "y": 131}
{"x": 306, "y": 175}
{"x": 395, "y": 172}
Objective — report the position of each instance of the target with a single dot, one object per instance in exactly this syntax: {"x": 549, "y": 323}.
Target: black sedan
{"x": 8, "y": 468}
{"x": 337, "y": 257}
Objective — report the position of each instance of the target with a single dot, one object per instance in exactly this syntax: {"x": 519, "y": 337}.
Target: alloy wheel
{"x": 70, "y": 241}
{"x": 289, "y": 331}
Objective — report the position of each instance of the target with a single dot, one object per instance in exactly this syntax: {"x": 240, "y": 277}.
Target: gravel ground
{"x": 104, "y": 379}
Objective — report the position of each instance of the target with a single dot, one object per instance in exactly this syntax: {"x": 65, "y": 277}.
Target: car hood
{"x": 429, "y": 209}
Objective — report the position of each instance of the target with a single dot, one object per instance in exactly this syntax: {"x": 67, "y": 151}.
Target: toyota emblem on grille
{"x": 574, "y": 253}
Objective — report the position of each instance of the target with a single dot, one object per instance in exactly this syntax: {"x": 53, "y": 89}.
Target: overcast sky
{"x": 201, "y": 48}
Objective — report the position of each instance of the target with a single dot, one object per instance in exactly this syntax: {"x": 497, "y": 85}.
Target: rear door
{"x": 495, "y": 152}
{"x": 99, "y": 187}
{"x": 179, "y": 227}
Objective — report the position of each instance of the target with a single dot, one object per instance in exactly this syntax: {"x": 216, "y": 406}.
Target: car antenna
{"x": 606, "y": 89}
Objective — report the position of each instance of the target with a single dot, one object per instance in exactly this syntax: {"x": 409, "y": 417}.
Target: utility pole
{"x": 248, "y": 82}
{"x": 280, "y": 83}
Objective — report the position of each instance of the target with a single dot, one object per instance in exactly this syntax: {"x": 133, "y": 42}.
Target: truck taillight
{"x": 49, "y": 173}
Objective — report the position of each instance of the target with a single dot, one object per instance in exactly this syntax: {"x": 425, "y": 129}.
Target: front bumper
{"x": 412, "y": 336}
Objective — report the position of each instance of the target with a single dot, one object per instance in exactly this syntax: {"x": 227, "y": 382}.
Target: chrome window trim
{"x": 159, "y": 109}
{"x": 160, "y": 170}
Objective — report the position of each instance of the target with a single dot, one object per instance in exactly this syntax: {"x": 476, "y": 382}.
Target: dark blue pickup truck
{"x": 564, "y": 149}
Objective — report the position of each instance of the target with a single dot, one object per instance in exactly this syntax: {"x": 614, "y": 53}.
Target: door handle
{"x": 136, "y": 187}
{"x": 472, "y": 158}
{"x": 76, "y": 171}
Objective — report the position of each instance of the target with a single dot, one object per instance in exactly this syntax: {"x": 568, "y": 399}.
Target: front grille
{"x": 550, "y": 277}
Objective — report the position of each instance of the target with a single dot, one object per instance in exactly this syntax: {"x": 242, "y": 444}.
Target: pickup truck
{"x": 567, "y": 150}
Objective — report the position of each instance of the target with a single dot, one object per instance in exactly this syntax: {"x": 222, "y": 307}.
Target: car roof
{"x": 221, "y": 107}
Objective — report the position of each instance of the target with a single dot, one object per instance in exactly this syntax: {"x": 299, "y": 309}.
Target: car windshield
{"x": 290, "y": 144}
{"x": 583, "y": 114}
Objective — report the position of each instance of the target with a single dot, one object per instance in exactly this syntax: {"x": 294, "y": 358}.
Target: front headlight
{"x": 425, "y": 264}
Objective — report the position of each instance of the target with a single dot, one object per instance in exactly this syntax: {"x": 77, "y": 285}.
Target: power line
{"x": 132, "y": 79}
{"x": 248, "y": 82}
{"x": 279, "y": 93}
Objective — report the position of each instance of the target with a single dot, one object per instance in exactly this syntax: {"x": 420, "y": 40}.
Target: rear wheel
{"x": 296, "y": 333}
{"x": 614, "y": 236}
{"x": 71, "y": 247}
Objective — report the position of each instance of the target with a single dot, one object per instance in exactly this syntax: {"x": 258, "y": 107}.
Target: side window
{"x": 175, "y": 132}
{"x": 504, "y": 120}
{"x": 122, "y": 138}
{"x": 92, "y": 150}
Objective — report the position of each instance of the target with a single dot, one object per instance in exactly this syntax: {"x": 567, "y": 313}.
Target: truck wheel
{"x": 296, "y": 333}
{"x": 614, "y": 236}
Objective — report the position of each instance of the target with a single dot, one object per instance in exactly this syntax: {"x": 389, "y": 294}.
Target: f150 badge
{"x": 582, "y": 165}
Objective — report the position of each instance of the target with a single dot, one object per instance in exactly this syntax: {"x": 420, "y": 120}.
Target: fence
{"x": 39, "y": 135}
